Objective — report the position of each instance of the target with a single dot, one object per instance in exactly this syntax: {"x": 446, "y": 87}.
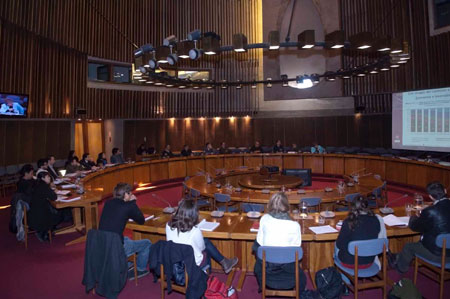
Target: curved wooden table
{"x": 272, "y": 181}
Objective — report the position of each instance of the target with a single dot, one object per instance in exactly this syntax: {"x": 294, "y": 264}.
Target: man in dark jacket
{"x": 433, "y": 221}
{"x": 114, "y": 218}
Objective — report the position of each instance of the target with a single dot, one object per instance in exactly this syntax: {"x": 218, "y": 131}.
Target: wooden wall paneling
{"x": 341, "y": 131}
{"x": 177, "y": 169}
{"x": 415, "y": 175}
{"x": 446, "y": 179}
{"x": 257, "y": 126}
{"x": 64, "y": 140}
{"x": 240, "y": 135}
{"x": 193, "y": 166}
{"x": 214, "y": 162}
{"x": 307, "y": 128}
{"x": 39, "y": 139}
{"x": 313, "y": 162}
{"x": 396, "y": 171}
{"x": 26, "y": 142}
{"x": 210, "y": 130}
{"x": 141, "y": 174}
{"x": 130, "y": 140}
{"x": 290, "y": 134}
{"x": 233, "y": 162}
{"x": 320, "y": 129}
{"x": 293, "y": 161}
{"x": 279, "y": 131}
{"x": 434, "y": 174}
{"x": 12, "y": 142}
{"x": 333, "y": 165}
{"x": 273, "y": 160}
{"x": 253, "y": 160}
{"x": 353, "y": 136}
{"x": 354, "y": 165}
{"x": 159, "y": 171}
{"x": 376, "y": 167}
{"x": 3, "y": 140}
{"x": 175, "y": 132}
{"x": 267, "y": 132}
{"x": 126, "y": 176}
{"x": 225, "y": 131}
{"x": 330, "y": 131}
{"x": 195, "y": 137}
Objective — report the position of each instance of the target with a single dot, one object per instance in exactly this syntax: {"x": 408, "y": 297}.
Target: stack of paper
{"x": 71, "y": 175}
{"x": 62, "y": 192}
{"x": 392, "y": 220}
{"x": 69, "y": 186}
{"x": 208, "y": 226}
{"x": 68, "y": 200}
{"x": 324, "y": 229}
{"x": 147, "y": 217}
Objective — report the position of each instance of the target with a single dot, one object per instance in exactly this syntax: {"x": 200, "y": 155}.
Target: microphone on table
{"x": 388, "y": 210}
{"x": 167, "y": 210}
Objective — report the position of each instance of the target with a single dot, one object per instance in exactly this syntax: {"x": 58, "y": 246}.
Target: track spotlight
{"x": 254, "y": 85}
{"x": 396, "y": 46}
{"x": 274, "y": 40}
{"x": 194, "y": 35}
{"x": 211, "y": 43}
{"x": 315, "y": 78}
{"x": 172, "y": 58}
{"x": 383, "y": 44}
{"x": 224, "y": 84}
{"x": 335, "y": 39}
{"x": 284, "y": 78}
{"x": 306, "y": 39}
{"x": 239, "y": 42}
{"x": 330, "y": 76}
{"x": 362, "y": 40}
{"x": 170, "y": 40}
{"x": 161, "y": 54}
{"x": 303, "y": 82}
{"x": 195, "y": 53}
{"x": 374, "y": 71}
{"x": 184, "y": 47}
{"x": 269, "y": 84}
{"x": 239, "y": 86}
{"x": 209, "y": 87}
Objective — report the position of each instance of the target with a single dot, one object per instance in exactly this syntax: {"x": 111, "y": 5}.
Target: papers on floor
{"x": 324, "y": 229}
{"x": 392, "y": 220}
{"x": 208, "y": 226}
{"x": 62, "y": 192}
{"x": 69, "y": 186}
{"x": 255, "y": 227}
{"x": 68, "y": 200}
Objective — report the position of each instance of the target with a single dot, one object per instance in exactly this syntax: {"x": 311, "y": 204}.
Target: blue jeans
{"x": 141, "y": 247}
{"x": 211, "y": 252}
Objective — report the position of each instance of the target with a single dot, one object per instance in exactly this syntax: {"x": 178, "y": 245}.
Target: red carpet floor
{"x": 56, "y": 271}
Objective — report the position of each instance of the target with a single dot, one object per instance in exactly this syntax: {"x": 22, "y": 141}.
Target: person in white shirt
{"x": 276, "y": 228}
{"x": 183, "y": 229}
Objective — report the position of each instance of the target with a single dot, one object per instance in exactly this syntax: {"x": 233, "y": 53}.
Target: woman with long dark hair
{"x": 361, "y": 224}
{"x": 183, "y": 229}
{"x": 101, "y": 159}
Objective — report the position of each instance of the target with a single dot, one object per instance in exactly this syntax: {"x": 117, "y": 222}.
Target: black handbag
{"x": 329, "y": 283}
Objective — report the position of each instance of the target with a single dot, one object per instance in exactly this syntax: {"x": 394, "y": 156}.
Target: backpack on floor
{"x": 216, "y": 289}
{"x": 404, "y": 289}
{"x": 329, "y": 283}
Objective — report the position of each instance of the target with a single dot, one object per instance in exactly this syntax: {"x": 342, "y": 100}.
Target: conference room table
{"x": 234, "y": 238}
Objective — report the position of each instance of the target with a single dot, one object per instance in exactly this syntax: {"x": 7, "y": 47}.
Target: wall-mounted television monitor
{"x": 13, "y": 105}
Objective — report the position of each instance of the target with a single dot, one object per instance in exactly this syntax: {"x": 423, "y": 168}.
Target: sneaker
{"x": 139, "y": 274}
{"x": 228, "y": 264}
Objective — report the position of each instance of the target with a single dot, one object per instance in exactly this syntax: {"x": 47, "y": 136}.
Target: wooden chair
{"x": 372, "y": 247}
{"x": 280, "y": 255}
{"x": 201, "y": 201}
{"x": 312, "y": 202}
{"x": 132, "y": 258}
{"x": 178, "y": 288}
{"x": 435, "y": 271}
{"x": 27, "y": 229}
{"x": 349, "y": 199}
{"x": 225, "y": 203}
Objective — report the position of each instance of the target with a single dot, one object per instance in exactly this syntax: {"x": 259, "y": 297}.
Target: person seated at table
{"x": 141, "y": 150}
{"x": 114, "y": 218}
{"x": 186, "y": 151}
{"x": 223, "y": 149}
{"x": 73, "y": 166}
{"x": 209, "y": 150}
{"x": 41, "y": 165}
{"x": 51, "y": 170}
{"x": 433, "y": 220}
{"x": 276, "y": 228}
{"x": 256, "y": 148}
{"x": 278, "y": 148}
{"x": 183, "y": 229}
{"x": 86, "y": 162}
{"x": 360, "y": 224}
{"x": 317, "y": 149}
{"x": 101, "y": 159}
{"x": 26, "y": 183}
{"x": 42, "y": 217}
{"x": 151, "y": 150}
{"x": 116, "y": 157}
{"x": 167, "y": 152}
{"x": 70, "y": 156}
{"x": 294, "y": 148}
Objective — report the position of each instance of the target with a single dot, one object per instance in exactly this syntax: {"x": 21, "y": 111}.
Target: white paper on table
{"x": 69, "y": 186}
{"x": 61, "y": 197}
{"x": 392, "y": 220}
{"x": 71, "y": 175}
{"x": 146, "y": 218}
{"x": 58, "y": 181}
{"x": 62, "y": 192}
{"x": 69, "y": 200}
{"x": 208, "y": 226}
{"x": 324, "y": 229}
{"x": 109, "y": 165}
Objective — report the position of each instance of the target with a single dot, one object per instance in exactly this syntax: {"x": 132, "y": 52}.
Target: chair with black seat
{"x": 222, "y": 202}
{"x": 280, "y": 255}
{"x": 252, "y": 207}
{"x": 349, "y": 199}
{"x": 379, "y": 196}
{"x": 312, "y": 202}
{"x": 436, "y": 271}
{"x": 202, "y": 202}
{"x": 365, "y": 248}
{"x": 303, "y": 173}
{"x": 27, "y": 229}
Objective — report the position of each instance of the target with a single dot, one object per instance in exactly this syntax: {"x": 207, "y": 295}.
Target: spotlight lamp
{"x": 184, "y": 47}
{"x": 284, "y": 79}
{"x": 195, "y": 35}
{"x": 195, "y": 53}
{"x": 239, "y": 86}
{"x": 211, "y": 43}
{"x": 315, "y": 78}
{"x": 362, "y": 40}
{"x": 396, "y": 46}
{"x": 383, "y": 44}
{"x": 269, "y": 83}
{"x": 172, "y": 58}
{"x": 240, "y": 43}
{"x": 274, "y": 40}
{"x": 161, "y": 54}
{"x": 335, "y": 39}
{"x": 224, "y": 84}
{"x": 306, "y": 39}
{"x": 170, "y": 41}
{"x": 304, "y": 82}
{"x": 330, "y": 76}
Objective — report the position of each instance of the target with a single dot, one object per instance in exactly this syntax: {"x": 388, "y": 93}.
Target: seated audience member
{"x": 70, "y": 156}
{"x": 256, "y": 148}
{"x": 42, "y": 216}
{"x": 42, "y": 165}
{"x": 51, "y": 170}
{"x": 361, "y": 224}
{"x": 278, "y": 148}
{"x": 183, "y": 229}
{"x": 209, "y": 150}
{"x": 223, "y": 149}
{"x": 73, "y": 166}
{"x": 167, "y": 153}
{"x": 151, "y": 150}
{"x": 116, "y": 157}
{"x": 276, "y": 228}
{"x": 317, "y": 149}
{"x": 101, "y": 159}
{"x": 186, "y": 151}
{"x": 26, "y": 182}
{"x": 433, "y": 220}
{"x": 141, "y": 150}
{"x": 115, "y": 215}
{"x": 86, "y": 162}
{"x": 294, "y": 148}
